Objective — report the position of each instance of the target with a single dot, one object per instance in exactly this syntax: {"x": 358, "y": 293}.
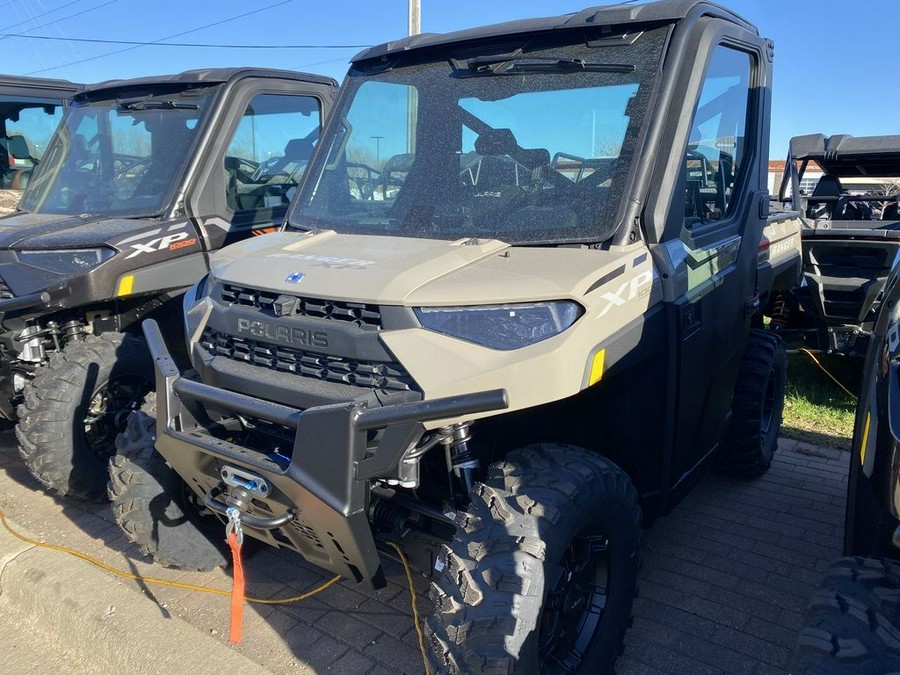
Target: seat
{"x": 857, "y": 211}
{"x": 828, "y": 186}
{"x": 19, "y": 147}
{"x": 891, "y": 211}
{"x": 296, "y": 153}
{"x": 299, "y": 149}
{"x": 501, "y": 142}
{"x": 79, "y": 150}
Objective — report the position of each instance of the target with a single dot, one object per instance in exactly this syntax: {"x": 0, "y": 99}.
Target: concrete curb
{"x": 94, "y": 615}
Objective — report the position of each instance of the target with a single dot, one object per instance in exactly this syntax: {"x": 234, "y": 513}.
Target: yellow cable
{"x": 833, "y": 378}
{"x": 161, "y": 582}
{"x": 216, "y": 591}
{"x": 413, "y": 604}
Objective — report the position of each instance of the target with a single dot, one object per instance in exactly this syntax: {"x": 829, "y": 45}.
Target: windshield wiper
{"x": 156, "y": 105}
{"x": 505, "y": 65}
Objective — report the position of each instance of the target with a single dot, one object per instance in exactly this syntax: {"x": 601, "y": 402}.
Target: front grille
{"x": 386, "y": 376}
{"x": 359, "y": 313}
{"x": 5, "y": 292}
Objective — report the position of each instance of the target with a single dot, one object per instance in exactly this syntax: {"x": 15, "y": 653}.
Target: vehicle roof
{"x": 846, "y": 155}
{"x": 209, "y": 76}
{"x": 606, "y": 15}
{"x": 16, "y": 85}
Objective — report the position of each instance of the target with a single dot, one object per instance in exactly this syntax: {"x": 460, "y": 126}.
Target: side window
{"x": 27, "y": 129}
{"x": 717, "y": 144}
{"x": 269, "y": 151}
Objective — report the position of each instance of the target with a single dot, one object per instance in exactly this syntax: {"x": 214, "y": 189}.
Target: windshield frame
{"x": 204, "y": 94}
{"x": 607, "y": 219}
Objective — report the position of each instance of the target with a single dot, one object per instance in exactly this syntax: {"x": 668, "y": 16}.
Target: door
{"x": 268, "y": 135}
{"x": 718, "y": 207}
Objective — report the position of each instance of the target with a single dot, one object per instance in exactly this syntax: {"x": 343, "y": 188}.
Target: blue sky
{"x": 834, "y": 60}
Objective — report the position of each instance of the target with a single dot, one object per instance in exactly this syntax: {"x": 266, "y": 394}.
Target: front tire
{"x": 152, "y": 504}
{"x": 541, "y": 574}
{"x": 757, "y": 407}
{"x": 852, "y": 626}
{"x": 75, "y": 407}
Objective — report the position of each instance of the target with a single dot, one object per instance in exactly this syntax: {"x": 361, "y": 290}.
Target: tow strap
{"x": 235, "y": 536}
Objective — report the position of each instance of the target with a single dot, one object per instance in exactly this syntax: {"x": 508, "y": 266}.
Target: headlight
{"x": 502, "y": 326}
{"x": 67, "y": 261}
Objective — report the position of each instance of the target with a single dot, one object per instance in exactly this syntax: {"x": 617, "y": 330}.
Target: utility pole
{"x": 377, "y": 151}
{"x": 412, "y": 110}
{"x": 415, "y": 17}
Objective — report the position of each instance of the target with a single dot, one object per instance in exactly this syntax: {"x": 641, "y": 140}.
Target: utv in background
{"x": 853, "y": 622}
{"x": 143, "y": 179}
{"x": 513, "y": 314}
{"x": 851, "y": 238}
{"x": 30, "y": 110}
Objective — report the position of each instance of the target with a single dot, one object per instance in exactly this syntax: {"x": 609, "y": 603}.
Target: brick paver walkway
{"x": 725, "y": 580}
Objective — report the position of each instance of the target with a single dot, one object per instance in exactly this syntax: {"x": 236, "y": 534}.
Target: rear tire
{"x": 757, "y": 407}
{"x": 75, "y": 407}
{"x": 852, "y": 626}
{"x": 542, "y": 569}
{"x": 151, "y": 502}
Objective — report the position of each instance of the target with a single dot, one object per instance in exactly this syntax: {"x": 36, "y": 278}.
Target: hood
{"x": 410, "y": 271}
{"x": 50, "y": 231}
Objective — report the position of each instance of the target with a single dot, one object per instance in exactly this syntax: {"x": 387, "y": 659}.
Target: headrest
{"x": 496, "y": 142}
{"x": 828, "y": 186}
{"x": 18, "y": 146}
{"x": 399, "y": 163}
{"x": 502, "y": 142}
{"x": 299, "y": 148}
{"x": 80, "y": 148}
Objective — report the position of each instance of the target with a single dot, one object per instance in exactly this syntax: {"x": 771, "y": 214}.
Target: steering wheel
{"x": 259, "y": 174}
{"x": 240, "y": 169}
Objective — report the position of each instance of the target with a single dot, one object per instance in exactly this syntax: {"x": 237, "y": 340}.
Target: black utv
{"x": 30, "y": 110}
{"x": 847, "y": 190}
{"x": 142, "y": 181}
{"x": 852, "y": 625}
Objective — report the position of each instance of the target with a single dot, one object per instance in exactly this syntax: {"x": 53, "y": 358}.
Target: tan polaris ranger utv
{"x": 515, "y": 310}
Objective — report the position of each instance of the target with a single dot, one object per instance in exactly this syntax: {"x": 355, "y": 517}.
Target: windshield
{"x": 529, "y": 146}
{"x": 117, "y": 156}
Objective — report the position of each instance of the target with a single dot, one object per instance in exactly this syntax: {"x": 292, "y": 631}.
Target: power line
{"x": 65, "y": 18}
{"x": 317, "y": 63}
{"x": 51, "y": 11}
{"x": 168, "y": 37}
{"x": 138, "y": 43}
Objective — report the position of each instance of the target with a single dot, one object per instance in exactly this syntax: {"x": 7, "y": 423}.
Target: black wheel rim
{"x": 108, "y": 410}
{"x": 576, "y": 604}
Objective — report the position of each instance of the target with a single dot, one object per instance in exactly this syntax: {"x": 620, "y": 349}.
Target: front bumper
{"x": 316, "y": 501}
{"x": 23, "y": 302}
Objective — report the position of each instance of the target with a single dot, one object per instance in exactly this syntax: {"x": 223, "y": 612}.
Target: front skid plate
{"x": 338, "y": 539}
